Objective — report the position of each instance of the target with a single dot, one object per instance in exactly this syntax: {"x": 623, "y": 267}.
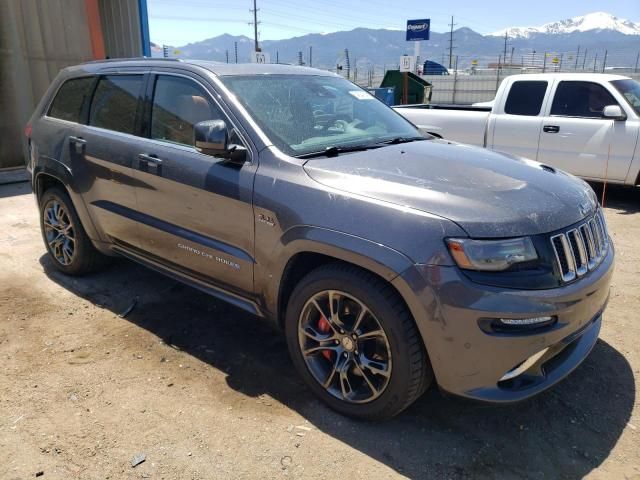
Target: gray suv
{"x": 391, "y": 260}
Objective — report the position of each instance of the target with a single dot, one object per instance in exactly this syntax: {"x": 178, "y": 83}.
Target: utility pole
{"x": 506, "y": 38}
{"x": 451, "y": 47}
{"x": 347, "y": 63}
{"x": 310, "y": 56}
{"x": 255, "y": 26}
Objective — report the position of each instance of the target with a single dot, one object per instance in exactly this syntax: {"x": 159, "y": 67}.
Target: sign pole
{"x": 405, "y": 88}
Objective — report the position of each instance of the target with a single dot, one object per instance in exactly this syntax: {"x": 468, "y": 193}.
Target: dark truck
{"x": 391, "y": 260}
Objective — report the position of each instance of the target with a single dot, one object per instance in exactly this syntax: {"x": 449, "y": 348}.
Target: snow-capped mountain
{"x": 597, "y": 21}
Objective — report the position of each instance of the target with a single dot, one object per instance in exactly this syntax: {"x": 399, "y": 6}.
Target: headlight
{"x": 491, "y": 255}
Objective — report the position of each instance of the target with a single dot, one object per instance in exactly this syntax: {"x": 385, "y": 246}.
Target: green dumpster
{"x": 419, "y": 89}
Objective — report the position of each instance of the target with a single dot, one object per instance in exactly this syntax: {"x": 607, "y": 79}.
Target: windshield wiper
{"x": 335, "y": 150}
{"x": 397, "y": 140}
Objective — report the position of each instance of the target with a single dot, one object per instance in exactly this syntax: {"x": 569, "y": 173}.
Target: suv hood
{"x": 487, "y": 193}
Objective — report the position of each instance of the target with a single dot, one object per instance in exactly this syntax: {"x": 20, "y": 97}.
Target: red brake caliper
{"x": 324, "y": 327}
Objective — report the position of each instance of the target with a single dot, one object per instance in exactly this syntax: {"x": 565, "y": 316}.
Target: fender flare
{"x": 374, "y": 257}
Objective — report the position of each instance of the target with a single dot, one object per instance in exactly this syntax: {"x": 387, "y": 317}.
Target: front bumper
{"x": 470, "y": 362}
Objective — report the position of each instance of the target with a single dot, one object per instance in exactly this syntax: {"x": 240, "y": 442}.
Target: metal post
{"x": 544, "y": 63}
{"x": 455, "y": 81}
{"x": 310, "y": 56}
{"x": 584, "y": 60}
{"x": 595, "y": 62}
{"x": 577, "y": 56}
{"x": 635, "y": 70}
{"x": 561, "y": 57}
{"x": 235, "y": 47}
{"x": 226, "y": 54}
{"x": 405, "y": 88}
{"x": 277, "y": 56}
{"x": 604, "y": 62}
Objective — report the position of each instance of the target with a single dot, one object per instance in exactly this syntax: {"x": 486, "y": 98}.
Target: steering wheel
{"x": 348, "y": 127}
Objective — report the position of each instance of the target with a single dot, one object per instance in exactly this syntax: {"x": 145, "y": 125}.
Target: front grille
{"x": 581, "y": 248}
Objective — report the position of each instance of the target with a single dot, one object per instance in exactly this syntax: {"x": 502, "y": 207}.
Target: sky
{"x": 178, "y": 22}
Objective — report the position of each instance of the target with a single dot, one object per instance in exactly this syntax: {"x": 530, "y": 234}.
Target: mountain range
{"x": 578, "y": 39}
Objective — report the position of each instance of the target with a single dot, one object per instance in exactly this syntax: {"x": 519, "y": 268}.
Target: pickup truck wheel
{"x": 355, "y": 343}
{"x": 66, "y": 240}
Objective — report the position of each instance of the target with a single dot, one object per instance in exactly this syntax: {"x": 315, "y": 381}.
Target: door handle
{"x": 146, "y": 160}
{"x": 150, "y": 159}
{"x": 78, "y": 142}
{"x": 551, "y": 128}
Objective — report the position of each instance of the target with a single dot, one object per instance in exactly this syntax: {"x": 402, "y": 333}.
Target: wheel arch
{"x": 54, "y": 173}
{"x": 307, "y": 248}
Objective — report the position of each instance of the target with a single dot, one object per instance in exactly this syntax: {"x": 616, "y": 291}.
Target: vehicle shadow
{"x": 563, "y": 433}
{"x": 619, "y": 197}
{"x": 14, "y": 189}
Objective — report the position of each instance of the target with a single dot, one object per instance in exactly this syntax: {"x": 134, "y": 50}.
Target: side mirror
{"x": 614, "y": 112}
{"x": 211, "y": 137}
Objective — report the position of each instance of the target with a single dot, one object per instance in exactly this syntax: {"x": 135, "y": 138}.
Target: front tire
{"x": 67, "y": 242}
{"x": 354, "y": 342}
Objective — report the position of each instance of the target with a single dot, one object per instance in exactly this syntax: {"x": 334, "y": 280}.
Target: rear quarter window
{"x": 525, "y": 98}
{"x": 70, "y": 98}
{"x": 115, "y": 103}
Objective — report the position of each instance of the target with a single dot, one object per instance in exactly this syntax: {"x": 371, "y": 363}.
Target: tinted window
{"x": 581, "y": 99}
{"x": 178, "y": 104}
{"x": 70, "y": 98}
{"x": 525, "y": 98}
{"x": 115, "y": 102}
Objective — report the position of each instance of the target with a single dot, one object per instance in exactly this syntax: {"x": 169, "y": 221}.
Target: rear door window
{"x": 71, "y": 96}
{"x": 525, "y": 97}
{"x": 581, "y": 99}
{"x": 115, "y": 103}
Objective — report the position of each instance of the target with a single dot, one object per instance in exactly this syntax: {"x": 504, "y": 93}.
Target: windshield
{"x": 302, "y": 114}
{"x": 630, "y": 90}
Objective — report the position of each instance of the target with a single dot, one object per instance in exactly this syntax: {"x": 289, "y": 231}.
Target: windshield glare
{"x": 630, "y": 90}
{"x": 303, "y": 113}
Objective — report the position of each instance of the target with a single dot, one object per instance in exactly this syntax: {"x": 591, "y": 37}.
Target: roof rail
{"x": 109, "y": 60}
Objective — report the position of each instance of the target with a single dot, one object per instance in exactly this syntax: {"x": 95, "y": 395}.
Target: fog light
{"x": 516, "y": 322}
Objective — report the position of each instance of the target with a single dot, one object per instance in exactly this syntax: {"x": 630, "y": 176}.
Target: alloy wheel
{"x": 344, "y": 346}
{"x": 59, "y": 232}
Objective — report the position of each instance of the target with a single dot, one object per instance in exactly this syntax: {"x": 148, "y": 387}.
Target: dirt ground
{"x": 206, "y": 391}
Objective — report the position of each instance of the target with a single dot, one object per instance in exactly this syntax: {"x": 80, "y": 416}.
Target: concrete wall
{"x": 40, "y": 37}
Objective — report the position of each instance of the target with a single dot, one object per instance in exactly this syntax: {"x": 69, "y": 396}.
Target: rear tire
{"x": 354, "y": 342}
{"x": 67, "y": 243}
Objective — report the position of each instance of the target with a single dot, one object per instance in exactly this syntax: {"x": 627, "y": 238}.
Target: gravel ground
{"x": 202, "y": 390}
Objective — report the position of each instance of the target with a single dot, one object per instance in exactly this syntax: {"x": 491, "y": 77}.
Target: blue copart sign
{"x": 418, "y": 30}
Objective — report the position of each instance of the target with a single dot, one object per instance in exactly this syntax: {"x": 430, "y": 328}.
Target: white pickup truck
{"x": 585, "y": 124}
